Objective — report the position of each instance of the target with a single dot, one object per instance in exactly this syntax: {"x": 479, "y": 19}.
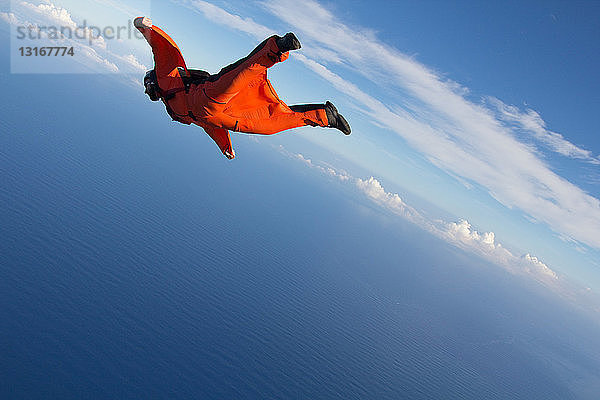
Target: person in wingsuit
{"x": 239, "y": 98}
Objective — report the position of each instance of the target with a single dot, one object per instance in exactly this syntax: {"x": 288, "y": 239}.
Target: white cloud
{"x": 539, "y": 266}
{"x": 61, "y": 17}
{"x": 300, "y": 157}
{"x": 532, "y": 123}
{"x": 463, "y": 235}
{"x": 124, "y": 8}
{"x": 465, "y": 139}
{"x": 93, "y": 55}
{"x": 460, "y": 234}
{"x": 342, "y": 176}
{"x": 134, "y": 62}
{"x": 392, "y": 201}
{"x": 237, "y": 22}
{"x": 9, "y": 18}
{"x": 457, "y": 135}
{"x": 56, "y": 14}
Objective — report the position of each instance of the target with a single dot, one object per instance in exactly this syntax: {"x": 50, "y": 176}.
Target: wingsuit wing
{"x": 167, "y": 57}
{"x": 258, "y": 101}
{"x": 222, "y": 139}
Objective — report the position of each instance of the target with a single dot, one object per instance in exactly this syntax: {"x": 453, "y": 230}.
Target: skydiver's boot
{"x": 142, "y": 23}
{"x": 335, "y": 119}
{"x": 288, "y": 42}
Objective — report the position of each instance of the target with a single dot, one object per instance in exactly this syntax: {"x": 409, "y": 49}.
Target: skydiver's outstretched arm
{"x": 237, "y": 76}
{"x": 167, "y": 56}
{"x": 222, "y": 139}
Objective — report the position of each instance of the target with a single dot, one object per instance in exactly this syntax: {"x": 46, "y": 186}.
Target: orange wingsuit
{"x": 239, "y": 98}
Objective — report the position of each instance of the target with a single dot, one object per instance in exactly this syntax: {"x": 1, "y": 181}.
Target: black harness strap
{"x": 189, "y": 77}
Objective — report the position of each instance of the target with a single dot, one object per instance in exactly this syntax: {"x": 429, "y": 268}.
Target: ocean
{"x": 136, "y": 262}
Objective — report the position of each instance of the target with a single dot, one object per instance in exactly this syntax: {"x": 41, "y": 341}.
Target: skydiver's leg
{"x": 324, "y": 115}
{"x": 237, "y": 76}
{"x": 272, "y": 124}
{"x": 334, "y": 118}
{"x": 307, "y": 107}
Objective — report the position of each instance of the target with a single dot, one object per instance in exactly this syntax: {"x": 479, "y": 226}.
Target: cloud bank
{"x": 460, "y": 234}
{"x": 532, "y": 123}
{"x": 457, "y": 135}
{"x": 476, "y": 142}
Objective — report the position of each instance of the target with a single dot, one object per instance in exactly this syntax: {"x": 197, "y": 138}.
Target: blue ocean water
{"x": 136, "y": 262}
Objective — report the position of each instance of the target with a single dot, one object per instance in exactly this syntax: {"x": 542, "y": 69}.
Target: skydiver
{"x": 239, "y": 98}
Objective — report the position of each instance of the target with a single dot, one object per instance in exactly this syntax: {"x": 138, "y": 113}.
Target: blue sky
{"x": 467, "y": 111}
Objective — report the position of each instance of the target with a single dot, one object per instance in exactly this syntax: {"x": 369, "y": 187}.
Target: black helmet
{"x": 151, "y": 85}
